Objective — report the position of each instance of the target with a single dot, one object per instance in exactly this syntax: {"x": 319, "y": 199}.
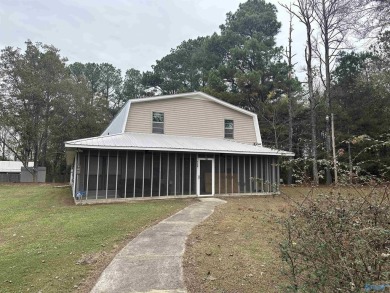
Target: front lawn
{"x": 48, "y": 244}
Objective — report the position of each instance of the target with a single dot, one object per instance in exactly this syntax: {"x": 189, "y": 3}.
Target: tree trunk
{"x": 289, "y": 98}
{"x": 325, "y": 32}
{"x": 309, "y": 54}
{"x": 305, "y": 15}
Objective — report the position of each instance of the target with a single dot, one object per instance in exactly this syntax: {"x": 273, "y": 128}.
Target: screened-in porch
{"x": 115, "y": 174}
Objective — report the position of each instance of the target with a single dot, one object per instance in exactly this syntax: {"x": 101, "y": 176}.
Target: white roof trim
{"x": 126, "y": 116}
{"x": 257, "y": 130}
{"x": 118, "y": 124}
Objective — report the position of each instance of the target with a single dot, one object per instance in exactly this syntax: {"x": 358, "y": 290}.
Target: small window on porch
{"x": 158, "y": 122}
{"x": 229, "y": 128}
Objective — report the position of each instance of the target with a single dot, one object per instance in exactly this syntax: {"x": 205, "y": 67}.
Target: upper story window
{"x": 158, "y": 122}
{"x": 229, "y": 128}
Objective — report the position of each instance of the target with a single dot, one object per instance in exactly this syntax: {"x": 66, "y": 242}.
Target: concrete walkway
{"x": 152, "y": 262}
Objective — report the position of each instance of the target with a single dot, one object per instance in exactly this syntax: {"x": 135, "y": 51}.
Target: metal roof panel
{"x": 163, "y": 142}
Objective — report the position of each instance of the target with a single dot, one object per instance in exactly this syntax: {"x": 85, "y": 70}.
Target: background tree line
{"x": 44, "y": 101}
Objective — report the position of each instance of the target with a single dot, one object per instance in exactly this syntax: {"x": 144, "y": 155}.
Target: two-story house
{"x": 179, "y": 145}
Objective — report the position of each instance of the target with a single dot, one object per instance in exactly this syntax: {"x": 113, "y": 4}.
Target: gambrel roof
{"x": 118, "y": 124}
{"x": 115, "y": 137}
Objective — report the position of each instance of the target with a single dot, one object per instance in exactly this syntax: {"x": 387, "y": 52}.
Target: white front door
{"x": 205, "y": 177}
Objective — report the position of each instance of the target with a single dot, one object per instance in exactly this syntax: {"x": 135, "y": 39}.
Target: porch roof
{"x": 163, "y": 142}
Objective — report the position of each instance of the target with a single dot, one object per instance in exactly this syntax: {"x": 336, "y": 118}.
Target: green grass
{"x": 43, "y": 235}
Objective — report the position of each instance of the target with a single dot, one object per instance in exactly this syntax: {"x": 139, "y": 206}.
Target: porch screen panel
{"x": 179, "y": 173}
{"x": 86, "y": 173}
{"x": 93, "y": 168}
{"x": 148, "y": 174}
{"x": 164, "y": 174}
{"x": 241, "y": 165}
{"x": 229, "y": 179}
{"x": 248, "y": 174}
{"x": 223, "y": 174}
{"x": 277, "y": 176}
{"x": 83, "y": 160}
{"x": 260, "y": 182}
{"x": 217, "y": 174}
{"x": 171, "y": 179}
{"x": 112, "y": 166}
{"x": 130, "y": 174}
{"x": 235, "y": 174}
{"x": 266, "y": 175}
{"x": 274, "y": 174}
{"x": 103, "y": 174}
{"x": 192, "y": 174}
{"x": 156, "y": 173}
{"x": 253, "y": 174}
{"x": 121, "y": 173}
{"x": 139, "y": 173}
{"x": 269, "y": 169}
{"x": 187, "y": 171}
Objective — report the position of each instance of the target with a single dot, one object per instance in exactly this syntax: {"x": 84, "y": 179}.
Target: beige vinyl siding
{"x": 187, "y": 116}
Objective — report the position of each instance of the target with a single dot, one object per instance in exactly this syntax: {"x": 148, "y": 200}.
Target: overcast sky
{"x": 127, "y": 34}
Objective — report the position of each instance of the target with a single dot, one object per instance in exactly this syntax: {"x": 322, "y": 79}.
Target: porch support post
{"x": 244, "y": 175}
{"x": 182, "y": 174}
{"x": 273, "y": 173}
{"x": 97, "y": 174}
{"x": 108, "y": 170}
{"x": 86, "y": 191}
{"x": 213, "y": 177}
{"x": 238, "y": 175}
{"x": 168, "y": 175}
{"x": 116, "y": 179}
{"x": 232, "y": 174}
{"x": 74, "y": 175}
{"x": 278, "y": 177}
{"x": 276, "y": 174}
{"x": 78, "y": 173}
{"x": 151, "y": 177}
{"x": 250, "y": 174}
{"x": 262, "y": 172}
{"x": 189, "y": 191}
{"x": 135, "y": 172}
{"x": 175, "y": 170}
{"x": 256, "y": 179}
{"x": 215, "y": 173}
{"x": 267, "y": 172}
{"x": 226, "y": 175}
{"x": 197, "y": 176}
{"x": 159, "y": 179}
{"x": 143, "y": 174}
{"x": 219, "y": 173}
{"x": 127, "y": 157}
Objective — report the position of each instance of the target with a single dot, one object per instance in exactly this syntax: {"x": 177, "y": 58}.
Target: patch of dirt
{"x": 237, "y": 248}
{"x": 87, "y": 259}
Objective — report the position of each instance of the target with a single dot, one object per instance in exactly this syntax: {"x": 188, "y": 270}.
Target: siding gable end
{"x": 193, "y": 114}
